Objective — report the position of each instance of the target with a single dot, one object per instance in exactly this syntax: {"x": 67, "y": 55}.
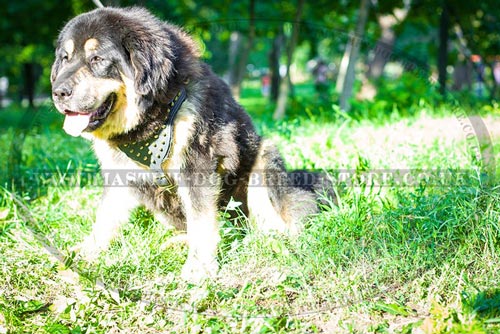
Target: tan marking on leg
{"x": 202, "y": 237}
{"x": 201, "y": 223}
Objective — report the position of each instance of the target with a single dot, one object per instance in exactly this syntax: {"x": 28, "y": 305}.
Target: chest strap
{"x": 156, "y": 149}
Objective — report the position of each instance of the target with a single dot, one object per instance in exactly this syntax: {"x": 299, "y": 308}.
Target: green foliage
{"x": 28, "y": 32}
{"x": 323, "y": 33}
{"x": 390, "y": 257}
{"x": 396, "y": 99}
{"x": 486, "y": 304}
{"x": 393, "y": 257}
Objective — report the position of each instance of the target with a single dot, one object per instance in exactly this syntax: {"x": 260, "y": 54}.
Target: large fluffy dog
{"x": 135, "y": 86}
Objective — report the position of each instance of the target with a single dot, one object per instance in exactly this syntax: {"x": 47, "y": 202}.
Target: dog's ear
{"x": 162, "y": 56}
{"x": 151, "y": 63}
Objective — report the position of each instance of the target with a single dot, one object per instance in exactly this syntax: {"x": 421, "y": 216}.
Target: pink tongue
{"x": 74, "y": 124}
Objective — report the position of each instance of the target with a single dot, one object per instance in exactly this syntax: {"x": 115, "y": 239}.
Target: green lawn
{"x": 412, "y": 256}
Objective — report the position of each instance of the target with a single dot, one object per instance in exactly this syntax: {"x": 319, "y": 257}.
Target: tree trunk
{"x": 239, "y": 52}
{"x": 274, "y": 64}
{"x": 29, "y": 83}
{"x": 465, "y": 51}
{"x": 236, "y": 40}
{"x": 494, "y": 87}
{"x": 343, "y": 67}
{"x": 385, "y": 44}
{"x": 355, "y": 44}
{"x": 444, "y": 23}
{"x": 249, "y": 45}
{"x": 383, "y": 50}
{"x": 279, "y": 112}
{"x": 384, "y": 47}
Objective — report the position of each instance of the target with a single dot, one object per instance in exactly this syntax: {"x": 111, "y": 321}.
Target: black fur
{"x": 223, "y": 147}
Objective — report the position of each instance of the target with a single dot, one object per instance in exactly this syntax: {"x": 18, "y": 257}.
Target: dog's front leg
{"x": 200, "y": 205}
{"x": 114, "y": 210}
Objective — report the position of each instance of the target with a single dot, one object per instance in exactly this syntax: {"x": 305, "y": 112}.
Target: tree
{"x": 444, "y": 27}
{"x": 274, "y": 63}
{"x": 345, "y": 80}
{"x": 476, "y": 27}
{"x": 238, "y": 53}
{"x": 27, "y": 42}
{"x": 385, "y": 43}
{"x": 279, "y": 112}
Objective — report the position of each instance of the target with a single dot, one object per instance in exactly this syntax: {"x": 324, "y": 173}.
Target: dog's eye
{"x": 95, "y": 60}
{"x": 65, "y": 57}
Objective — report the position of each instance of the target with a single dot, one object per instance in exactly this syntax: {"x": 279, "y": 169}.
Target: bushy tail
{"x": 281, "y": 200}
{"x": 316, "y": 182}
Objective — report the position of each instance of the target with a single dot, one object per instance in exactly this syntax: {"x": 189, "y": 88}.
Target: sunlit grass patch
{"x": 396, "y": 257}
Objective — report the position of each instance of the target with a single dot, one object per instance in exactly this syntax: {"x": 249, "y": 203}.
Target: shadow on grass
{"x": 37, "y": 155}
{"x": 486, "y": 304}
{"x": 24, "y": 126}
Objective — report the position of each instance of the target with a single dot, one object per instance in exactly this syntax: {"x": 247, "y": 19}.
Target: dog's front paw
{"x": 88, "y": 250}
{"x": 196, "y": 270}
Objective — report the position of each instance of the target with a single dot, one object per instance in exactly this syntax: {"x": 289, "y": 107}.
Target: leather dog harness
{"x": 153, "y": 151}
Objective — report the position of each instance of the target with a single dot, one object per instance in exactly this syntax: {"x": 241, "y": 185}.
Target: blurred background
{"x": 397, "y": 100}
{"x": 322, "y": 63}
{"x": 365, "y": 56}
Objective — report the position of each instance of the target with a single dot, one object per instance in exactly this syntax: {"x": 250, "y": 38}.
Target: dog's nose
{"x": 62, "y": 92}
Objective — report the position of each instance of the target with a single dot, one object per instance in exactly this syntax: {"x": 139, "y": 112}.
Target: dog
{"x": 135, "y": 86}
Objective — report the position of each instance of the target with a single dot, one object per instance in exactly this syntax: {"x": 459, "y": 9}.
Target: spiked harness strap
{"x": 153, "y": 151}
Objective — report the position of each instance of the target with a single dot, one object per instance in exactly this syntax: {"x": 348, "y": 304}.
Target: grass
{"x": 392, "y": 258}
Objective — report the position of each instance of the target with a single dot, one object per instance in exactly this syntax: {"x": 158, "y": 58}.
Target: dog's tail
{"x": 280, "y": 200}
{"x": 320, "y": 183}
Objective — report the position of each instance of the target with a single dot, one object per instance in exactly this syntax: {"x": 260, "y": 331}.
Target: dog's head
{"x": 112, "y": 65}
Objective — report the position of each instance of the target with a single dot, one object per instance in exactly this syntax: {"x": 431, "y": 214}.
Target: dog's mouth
{"x": 77, "y": 122}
